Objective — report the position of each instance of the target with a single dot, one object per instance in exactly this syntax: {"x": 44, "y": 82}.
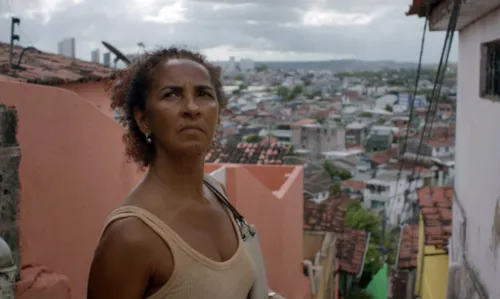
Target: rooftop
{"x": 351, "y": 250}
{"x": 316, "y": 182}
{"x": 435, "y": 205}
{"x": 353, "y": 184}
{"x": 49, "y": 69}
{"x": 248, "y": 153}
{"x": 408, "y": 247}
{"x": 327, "y": 216}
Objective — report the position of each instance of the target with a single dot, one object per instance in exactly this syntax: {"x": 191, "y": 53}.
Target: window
{"x": 490, "y": 70}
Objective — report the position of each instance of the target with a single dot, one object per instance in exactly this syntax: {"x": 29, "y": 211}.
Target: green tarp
{"x": 378, "y": 286}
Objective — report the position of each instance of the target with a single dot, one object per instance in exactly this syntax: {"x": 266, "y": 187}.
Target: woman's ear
{"x": 141, "y": 121}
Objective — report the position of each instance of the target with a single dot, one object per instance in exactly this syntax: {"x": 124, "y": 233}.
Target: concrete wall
{"x": 477, "y": 161}
{"x": 9, "y": 180}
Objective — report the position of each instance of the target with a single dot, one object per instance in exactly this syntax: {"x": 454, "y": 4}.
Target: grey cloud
{"x": 392, "y": 36}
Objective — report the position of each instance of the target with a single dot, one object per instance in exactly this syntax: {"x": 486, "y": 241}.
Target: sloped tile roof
{"x": 408, "y": 247}
{"x": 327, "y": 216}
{"x": 435, "y": 205}
{"x": 248, "y": 153}
{"x": 351, "y": 249}
{"x": 353, "y": 184}
{"x": 50, "y": 69}
{"x": 316, "y": 182}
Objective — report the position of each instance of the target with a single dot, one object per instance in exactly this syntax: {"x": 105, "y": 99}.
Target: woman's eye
{"x": 169, "y": 94}
{"x": 204, "y": 94}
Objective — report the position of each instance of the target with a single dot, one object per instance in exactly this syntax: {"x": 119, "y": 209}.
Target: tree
{"x": 365, "y": 114}
{"x": 335, "y": 189}
{"x": 261, "y": 68}
{"x": 335, "y": 172}
{"x": 388, "y": 108}
{"x": 357, "y": 217}
{"x": 254, "y": 139}
{"x": 283, "y": 92}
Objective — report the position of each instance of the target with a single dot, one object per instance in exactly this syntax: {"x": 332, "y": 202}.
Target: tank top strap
{"x": 150, "y": 220}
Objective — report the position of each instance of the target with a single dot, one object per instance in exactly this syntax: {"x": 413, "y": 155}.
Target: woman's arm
{"x": 121, "y": 265}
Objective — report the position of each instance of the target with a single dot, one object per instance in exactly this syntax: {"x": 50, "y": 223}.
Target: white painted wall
{"x": 477, "y": 179}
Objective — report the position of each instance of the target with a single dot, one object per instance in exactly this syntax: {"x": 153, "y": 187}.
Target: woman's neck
{"x": 181, "y": 176}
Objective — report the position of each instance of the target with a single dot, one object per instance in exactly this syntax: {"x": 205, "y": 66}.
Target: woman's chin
{"x": 193, "y": 148}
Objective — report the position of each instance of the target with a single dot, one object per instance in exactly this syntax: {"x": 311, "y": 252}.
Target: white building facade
{"x": 475, "y": 244}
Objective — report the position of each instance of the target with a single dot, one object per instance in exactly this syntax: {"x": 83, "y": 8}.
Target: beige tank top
{"x": 194, "y": 275}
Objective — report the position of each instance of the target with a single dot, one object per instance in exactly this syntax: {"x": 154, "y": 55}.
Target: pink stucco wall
{"x": 73, "y": 174}
{"x": 476, "y": 158}
{"x": 278, "y": 218}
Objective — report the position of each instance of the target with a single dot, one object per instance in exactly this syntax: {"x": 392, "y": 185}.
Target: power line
{"x": 438, "y": 82}
{"x": 12, "y": 12}
{"x": 412, "y": 106}
{"x": 410, "y": 120}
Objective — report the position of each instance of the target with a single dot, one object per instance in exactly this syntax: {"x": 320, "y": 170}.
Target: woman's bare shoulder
{"x": 125, "y": 256}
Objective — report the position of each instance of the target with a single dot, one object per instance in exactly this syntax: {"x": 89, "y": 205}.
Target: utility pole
{"x": 13, "y": 37}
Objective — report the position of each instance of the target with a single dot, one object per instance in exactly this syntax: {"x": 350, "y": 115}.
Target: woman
{"x": 171, "y": 238}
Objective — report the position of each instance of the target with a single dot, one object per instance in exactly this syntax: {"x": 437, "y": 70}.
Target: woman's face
{"x": 182, "y": 110}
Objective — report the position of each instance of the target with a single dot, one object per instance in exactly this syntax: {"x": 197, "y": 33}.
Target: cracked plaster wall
{"x": 477, "y": 163}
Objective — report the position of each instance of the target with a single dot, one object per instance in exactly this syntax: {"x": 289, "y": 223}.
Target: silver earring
{"x": 148, "y": 138}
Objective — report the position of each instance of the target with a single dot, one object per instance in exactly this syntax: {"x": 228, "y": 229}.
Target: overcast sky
{"x": 256, "y": 29}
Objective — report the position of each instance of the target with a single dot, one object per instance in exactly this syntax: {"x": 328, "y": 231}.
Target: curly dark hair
{"x": 130, "y": 90}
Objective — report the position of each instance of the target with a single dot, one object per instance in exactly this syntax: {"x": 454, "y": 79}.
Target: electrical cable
{"x": 438, "y": 82}
{"x": 412, "y": 106}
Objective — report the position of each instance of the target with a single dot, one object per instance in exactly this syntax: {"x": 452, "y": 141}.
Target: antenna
{"x": 119, "y": 55}
{"x": 13, "y": 37}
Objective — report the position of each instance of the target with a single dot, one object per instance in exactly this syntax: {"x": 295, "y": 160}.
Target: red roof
{"x": 327, "y": 216}
{"x": 351, "y": 250}
{"x": 50, "y": 69}
{"x": 435, "y": 205}
{"x": 248, "y": 153}
{"x": 353, "y": 184}
{"x": 408, "y": 247}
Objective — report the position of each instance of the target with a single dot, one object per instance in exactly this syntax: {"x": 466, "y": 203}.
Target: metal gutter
{"x": 364, "y": 255}
{"x": 402, "y": 227}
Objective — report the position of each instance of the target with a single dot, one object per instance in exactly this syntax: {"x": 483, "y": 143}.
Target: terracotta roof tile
{"x": 435, "y": 205}
{"x": 50, "y": 69}
{"x": 353, "y": 184}
{"x": 383, "y": 157}
{"x": 422, "y": 168}
{"x": 327, "y": 216}
{"x": 351, "y": 250}
{"x": 316, "y": 182}
{"x": 408, "y": 247}
{"x": 248, "y": 153}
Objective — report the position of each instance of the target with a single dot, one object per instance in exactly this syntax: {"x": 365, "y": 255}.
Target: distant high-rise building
{"x": 231, "y": 66}
{"x": 247, "y": 64}
{"x": 96, "y": 56}
{"x": 106, "y": 59}
{"x": 66, "y": 47}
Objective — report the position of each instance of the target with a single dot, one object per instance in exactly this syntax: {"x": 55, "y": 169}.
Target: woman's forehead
{"x": 179, "y": 69}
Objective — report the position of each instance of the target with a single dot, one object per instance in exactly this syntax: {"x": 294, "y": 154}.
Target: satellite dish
{"x": 119, "y": 55}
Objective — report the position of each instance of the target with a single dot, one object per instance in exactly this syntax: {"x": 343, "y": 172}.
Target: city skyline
{"x": 258, "y": 30}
